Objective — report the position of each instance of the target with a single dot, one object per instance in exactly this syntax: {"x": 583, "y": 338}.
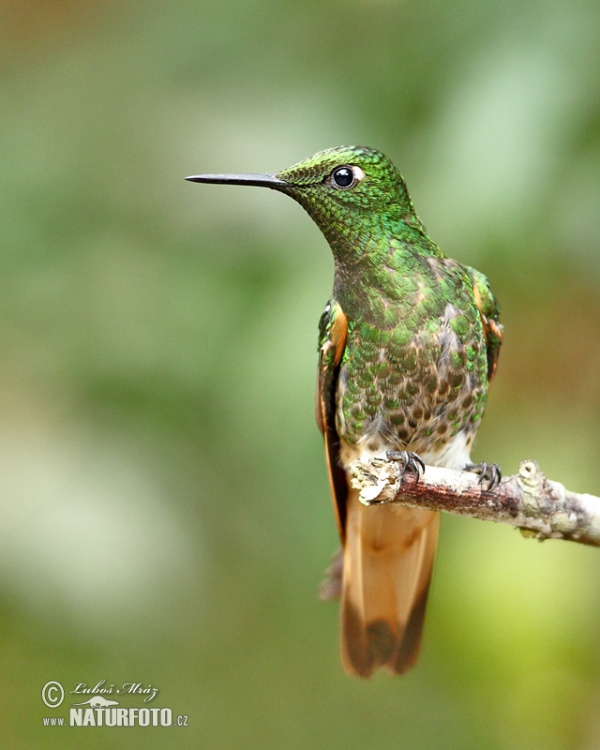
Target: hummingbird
{"x": 408, "y": 344}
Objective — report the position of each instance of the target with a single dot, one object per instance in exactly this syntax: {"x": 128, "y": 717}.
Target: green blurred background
{"x": 165, "y": 514}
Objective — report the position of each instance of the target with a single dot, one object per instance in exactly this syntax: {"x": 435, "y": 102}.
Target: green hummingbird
{"x": 408, "y": 344}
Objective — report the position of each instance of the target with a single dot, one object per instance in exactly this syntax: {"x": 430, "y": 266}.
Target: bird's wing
{"x": 488, "y": 309}
{"x": 333, "y": 330}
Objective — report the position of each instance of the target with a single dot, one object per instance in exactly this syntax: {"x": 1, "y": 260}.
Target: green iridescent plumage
{"x": 415, "y": 368}
{"x": 408, "y": 343}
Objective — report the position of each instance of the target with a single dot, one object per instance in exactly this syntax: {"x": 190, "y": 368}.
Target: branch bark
{"x": 539, "y": 507}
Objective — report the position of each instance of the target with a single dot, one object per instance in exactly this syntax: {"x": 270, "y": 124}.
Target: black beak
{"x": 260, "y": 180}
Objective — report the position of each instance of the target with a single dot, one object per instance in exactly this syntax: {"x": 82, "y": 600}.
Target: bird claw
{"x": 489, "y": 473}
{"x": 411, "y": 461}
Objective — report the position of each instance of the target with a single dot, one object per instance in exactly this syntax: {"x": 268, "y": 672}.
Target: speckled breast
{"x": 413, "y": 389}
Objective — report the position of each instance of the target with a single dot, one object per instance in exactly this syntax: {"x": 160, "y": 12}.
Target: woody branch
{"x": 538, "y": 506}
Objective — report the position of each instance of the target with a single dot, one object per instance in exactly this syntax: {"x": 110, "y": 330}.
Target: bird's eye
{"x": 344, "y": 177}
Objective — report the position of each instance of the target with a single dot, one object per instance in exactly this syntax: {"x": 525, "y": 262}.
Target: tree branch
{"x": 537, "y": 506}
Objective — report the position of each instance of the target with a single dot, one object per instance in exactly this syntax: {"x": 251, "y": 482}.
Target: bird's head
{"x": 348, "y": 191}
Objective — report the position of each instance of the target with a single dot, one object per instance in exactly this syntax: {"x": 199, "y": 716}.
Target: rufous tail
{"x": 388, "y": 561}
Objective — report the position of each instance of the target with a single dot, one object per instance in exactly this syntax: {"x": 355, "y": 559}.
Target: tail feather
{"x": 388, "y": 561}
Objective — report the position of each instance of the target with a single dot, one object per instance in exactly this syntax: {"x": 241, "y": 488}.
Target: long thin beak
{"x": 260, "y": 180}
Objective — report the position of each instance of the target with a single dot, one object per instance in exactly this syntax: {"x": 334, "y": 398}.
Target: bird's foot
{"x": 410, "y": 462}
{"x": 489, "y": 473}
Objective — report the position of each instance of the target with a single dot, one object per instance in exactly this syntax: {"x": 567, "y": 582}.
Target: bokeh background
{"x": 164, "y": 508}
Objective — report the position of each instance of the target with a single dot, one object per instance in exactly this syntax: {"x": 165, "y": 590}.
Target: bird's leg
{"x": 409, "y": 461}
{"x": 489, "y": 473}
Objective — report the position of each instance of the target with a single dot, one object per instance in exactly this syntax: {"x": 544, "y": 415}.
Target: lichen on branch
{"x": 528, "y": 500}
